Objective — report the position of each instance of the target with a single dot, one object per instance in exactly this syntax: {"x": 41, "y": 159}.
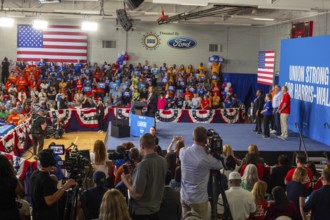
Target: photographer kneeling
{"x": 43, "y": 191}
{"x": 196, "y": 164}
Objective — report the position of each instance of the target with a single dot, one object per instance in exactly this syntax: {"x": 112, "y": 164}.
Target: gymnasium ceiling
{"x": 229, "y": 12}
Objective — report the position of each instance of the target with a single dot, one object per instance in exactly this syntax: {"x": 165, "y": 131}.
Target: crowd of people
{"x": 150, "y": 185}
{"x": 57, "y": 86}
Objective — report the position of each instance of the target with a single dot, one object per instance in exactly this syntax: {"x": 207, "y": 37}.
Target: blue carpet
{"x": 239, "y": 136}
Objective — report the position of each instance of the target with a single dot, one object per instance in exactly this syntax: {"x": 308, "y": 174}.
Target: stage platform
{"x": 239, "y": 136}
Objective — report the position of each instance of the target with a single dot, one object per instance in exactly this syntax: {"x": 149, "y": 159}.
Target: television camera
{"x": 214, "y": 143}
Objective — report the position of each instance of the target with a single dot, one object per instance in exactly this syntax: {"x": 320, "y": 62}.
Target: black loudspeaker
{"x": 120, "y": 128}
{"x": 133, "y": 4}
{"x": 123, "y": 19}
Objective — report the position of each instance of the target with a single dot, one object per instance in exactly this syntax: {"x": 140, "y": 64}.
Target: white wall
{"x": 239, "y": 44}
{"x": 270, "y": 37}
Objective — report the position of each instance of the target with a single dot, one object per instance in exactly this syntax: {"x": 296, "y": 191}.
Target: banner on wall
{"x": 181, "y": 43}
{"x": 305, "y": 71}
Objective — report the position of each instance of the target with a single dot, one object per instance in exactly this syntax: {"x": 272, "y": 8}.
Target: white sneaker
{"x": 273, "y": 131}
{"x": 101, "y": 131}
{"x": 98, "y": 131}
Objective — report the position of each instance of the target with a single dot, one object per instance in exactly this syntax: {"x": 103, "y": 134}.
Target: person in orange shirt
{"x": 21, "y": 82}
{"x": 12, "y": 77}
{"x": 135, "y": 158}
{"x": 13, "y": 117}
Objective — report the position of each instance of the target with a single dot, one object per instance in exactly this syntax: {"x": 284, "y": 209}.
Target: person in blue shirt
{"x": 319, "y": 201}
{"x": 267, "y": 112}
{"x": 78, "y": 66}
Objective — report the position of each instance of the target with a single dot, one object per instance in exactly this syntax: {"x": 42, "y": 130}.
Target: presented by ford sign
{"x": 181, "y": 43}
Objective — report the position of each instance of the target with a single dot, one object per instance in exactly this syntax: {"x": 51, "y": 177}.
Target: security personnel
{"x": 38, "y": 129}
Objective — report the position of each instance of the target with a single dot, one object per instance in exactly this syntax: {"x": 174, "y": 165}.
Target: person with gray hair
{"x": 276, "y": 104}
{"x": 196, "y": 164}
{"x": 241, "y": 201}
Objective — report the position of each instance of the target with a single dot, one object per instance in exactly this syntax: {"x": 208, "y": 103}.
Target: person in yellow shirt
{"x": 171, "y": 74}
{"x": 201, "y": 68}
{"x": 216, "y": 67}
{"x": 215, "y": 101}
{"x": 189, "y": 69}
{"x": 62, "y": 84}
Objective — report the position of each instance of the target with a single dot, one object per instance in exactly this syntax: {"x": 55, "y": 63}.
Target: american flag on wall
{"x": 58, "y": 43}
{"x": 266, "y": 64}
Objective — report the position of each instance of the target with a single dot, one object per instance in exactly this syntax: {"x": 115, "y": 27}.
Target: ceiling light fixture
{"x": 263, "y": 19}
{"x": 194, "y": 4}
{"x": 89, "y": 26}
{"x": 40, "y": 24}
{"x": 283, "y": 8}
{"x": 6, "y": 22}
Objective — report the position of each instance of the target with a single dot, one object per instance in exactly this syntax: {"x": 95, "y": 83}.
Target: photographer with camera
{"x": 100, "y": 115}
{"x": 43, "y": 192}
{"x": 146, "y": 185}
{"x": 196, "y": 164}
{"x": 38, "y": 129}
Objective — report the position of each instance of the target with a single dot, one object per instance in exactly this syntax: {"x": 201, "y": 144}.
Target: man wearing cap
{"x": 241, "y": 201}
{"x": 43, "y": 191}
{"x": 38, "y": 128}
{"x": 91, "y": 199}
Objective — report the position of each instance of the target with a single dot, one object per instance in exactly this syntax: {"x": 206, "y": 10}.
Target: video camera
{"x": 214, "y": 143}
{"x": 122, "y": 154}
{"x": 119, "y": 156}
{"x": 75, "y": 163}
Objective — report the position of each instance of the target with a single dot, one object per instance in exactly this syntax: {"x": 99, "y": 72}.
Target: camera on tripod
{"x": 76, "y": 163}
{"x": 214, "y": 143}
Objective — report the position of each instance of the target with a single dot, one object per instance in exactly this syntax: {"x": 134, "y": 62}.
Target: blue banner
{"x": 305, "y": 71}
{"x": 140, "y": 124}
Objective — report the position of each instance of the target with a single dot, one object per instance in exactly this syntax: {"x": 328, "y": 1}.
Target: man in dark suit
{"x": 257, "y": 108}
{"x": 152, "y": 102}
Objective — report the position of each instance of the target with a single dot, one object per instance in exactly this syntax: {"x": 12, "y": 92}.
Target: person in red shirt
{"x": 215, "y": 88}
{"x": 300, "y": 161}
{"x": 187, "y": 93}
{"x": 259, "y": 194}
{"x": 284, "y": 111}
{"x": 205, "y": 102}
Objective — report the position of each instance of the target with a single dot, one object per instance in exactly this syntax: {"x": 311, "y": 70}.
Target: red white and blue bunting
{"x": 21, "y": 165}
{"x": 65, "y": 114}
{"x": 169, "y": 115}
{"x": 201, "y": 116}
{"x": 121, "y": 113}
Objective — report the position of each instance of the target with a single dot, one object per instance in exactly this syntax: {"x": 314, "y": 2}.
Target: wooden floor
{"x": 84, "y": 141}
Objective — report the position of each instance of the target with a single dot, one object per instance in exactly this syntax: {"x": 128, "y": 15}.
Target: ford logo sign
{"x": 181, "y": 43}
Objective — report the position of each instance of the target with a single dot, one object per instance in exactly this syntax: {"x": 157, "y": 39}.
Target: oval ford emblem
{"x": 181, "y": 43}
